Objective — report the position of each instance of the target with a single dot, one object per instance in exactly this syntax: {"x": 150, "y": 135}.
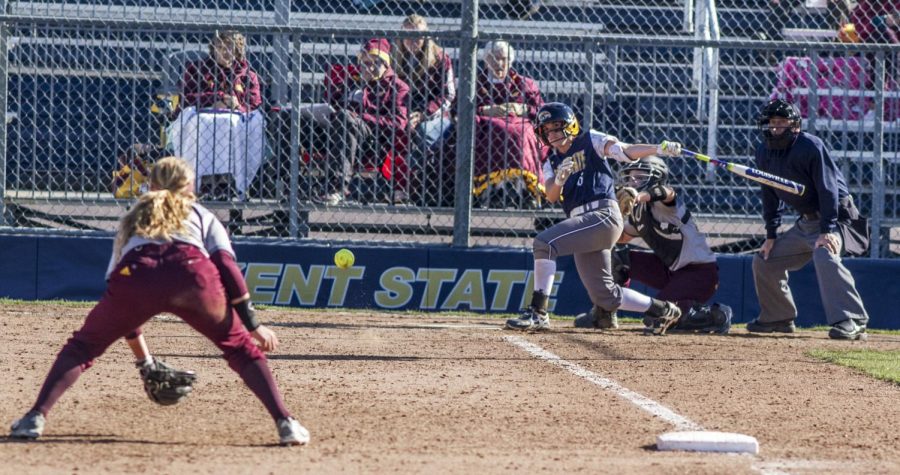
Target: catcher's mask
{"x": 555, "y": 116}
{"x": 644, "y": 173}
{"x": 779, "y": 137}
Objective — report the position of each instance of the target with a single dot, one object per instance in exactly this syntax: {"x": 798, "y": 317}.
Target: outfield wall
{"x": 403, "y": 278}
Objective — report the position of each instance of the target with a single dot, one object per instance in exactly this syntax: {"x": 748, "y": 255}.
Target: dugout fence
{"x": 85, "y": 83}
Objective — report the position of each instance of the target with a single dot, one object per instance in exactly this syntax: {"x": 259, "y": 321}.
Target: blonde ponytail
{"x": 160, "y": 213}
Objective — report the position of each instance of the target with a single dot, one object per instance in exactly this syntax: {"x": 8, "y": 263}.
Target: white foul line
{"x": 639, "y": 400}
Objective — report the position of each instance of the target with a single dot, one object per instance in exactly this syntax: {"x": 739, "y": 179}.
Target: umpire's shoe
{"x": 848, "y": 330}
{"x": 596, "y": 317}
{"x": 290, "y": 432}
{"x": 783, "y": 326}
{"x": 30, "y": 426}
{"x": 531, "y": 320}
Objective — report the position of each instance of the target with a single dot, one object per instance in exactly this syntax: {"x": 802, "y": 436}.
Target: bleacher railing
{"x": 91, "y": 85}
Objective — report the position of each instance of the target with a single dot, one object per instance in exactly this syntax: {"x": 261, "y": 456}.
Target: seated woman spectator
{"x": 366, "y": 128}
{"x": 426, "y": 68}
{"x": 220, "y": 131}
{"x": 877, "y": 21}
{"x": 507, "y": 159}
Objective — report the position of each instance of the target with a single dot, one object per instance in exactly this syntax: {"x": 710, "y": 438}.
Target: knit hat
{"x": 380, "y": 48}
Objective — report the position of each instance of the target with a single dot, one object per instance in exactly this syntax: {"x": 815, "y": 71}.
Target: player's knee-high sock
{"x": 70, "y": 363}
{"x": 258, "y": 378}
{"x": 634, "y": 301}
{"x": 544, "y": 273}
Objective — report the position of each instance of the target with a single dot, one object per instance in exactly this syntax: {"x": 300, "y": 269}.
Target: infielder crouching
{"x": 163, "y": 262}
{"x": 578, "y": 172}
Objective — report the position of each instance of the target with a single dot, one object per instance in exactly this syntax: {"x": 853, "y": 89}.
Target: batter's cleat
{"x": 783, "y": 326}
{"x": 531, "y": 320}
{"x": 290, "y": 432}
{"x": 848, "y": 330}
{"x": 597, "y": 318}
{"x": 666, "y": 319}
{"x": 30, "y": 426}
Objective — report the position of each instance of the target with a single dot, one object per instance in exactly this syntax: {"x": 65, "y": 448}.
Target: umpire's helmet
{"x": 556, "y": 112}
{"x": 644, "y": 173}
{"x": 786, "y": 110}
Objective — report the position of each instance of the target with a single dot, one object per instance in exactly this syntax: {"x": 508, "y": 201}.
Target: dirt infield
{"x": 437, "y": 393}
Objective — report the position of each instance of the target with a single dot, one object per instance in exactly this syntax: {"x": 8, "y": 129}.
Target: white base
{"x": 707, "y": 441}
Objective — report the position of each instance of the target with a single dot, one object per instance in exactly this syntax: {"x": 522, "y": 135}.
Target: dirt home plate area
{"x": 438, "y": 393}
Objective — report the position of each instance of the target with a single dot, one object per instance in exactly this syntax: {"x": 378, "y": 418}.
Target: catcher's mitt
{"x": 627, "y": 196}
{"x": 166, "y": 385}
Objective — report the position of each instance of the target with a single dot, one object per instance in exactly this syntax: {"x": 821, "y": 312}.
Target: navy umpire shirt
{"x": 807, "y": 161}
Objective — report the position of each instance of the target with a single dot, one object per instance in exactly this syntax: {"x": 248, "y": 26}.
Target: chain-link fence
{"x": 354, "y": 120}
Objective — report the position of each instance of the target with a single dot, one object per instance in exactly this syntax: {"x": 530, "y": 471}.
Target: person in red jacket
{"x": 224, "y": 80}
{"x": 367, "y": 129}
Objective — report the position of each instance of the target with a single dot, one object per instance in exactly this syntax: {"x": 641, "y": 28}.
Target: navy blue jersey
{"x": 592, "y": 178}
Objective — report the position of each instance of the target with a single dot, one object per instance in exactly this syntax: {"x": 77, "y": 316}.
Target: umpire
{"x": 824, "y": 208}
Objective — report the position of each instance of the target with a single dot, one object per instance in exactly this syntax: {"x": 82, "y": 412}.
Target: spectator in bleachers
{"x": 877, "y": 21}
{"x": 507, "y": 158}
{"x": 367, "y": 128}
{"x": 220, "y": 131}
{"x": 224, "y": 80}
{"x": 426, "y": 68}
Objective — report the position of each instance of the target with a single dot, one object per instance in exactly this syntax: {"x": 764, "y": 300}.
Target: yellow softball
{"x": 344, "y": 258}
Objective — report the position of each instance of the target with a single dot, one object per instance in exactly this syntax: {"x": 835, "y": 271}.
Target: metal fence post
{"x": 281, "y": 55}
{"x": 4, "y": 77}
{"x": 294, "y": 212}
{"x": 588, "y": 112}
{"x": 878, "y": 190}
{"x": 465, "y": 125}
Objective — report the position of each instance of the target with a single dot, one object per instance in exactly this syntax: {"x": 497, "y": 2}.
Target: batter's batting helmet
{"x": 645, "y": 173}
{"x": 552, "y": 112}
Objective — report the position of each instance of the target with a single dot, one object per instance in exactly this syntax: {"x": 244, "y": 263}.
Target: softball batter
{"x": 578, "y": 173}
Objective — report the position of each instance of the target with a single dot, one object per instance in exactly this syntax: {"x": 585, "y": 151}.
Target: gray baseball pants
{"x": 792, "y": 250}
{"x": 590, "y": 237}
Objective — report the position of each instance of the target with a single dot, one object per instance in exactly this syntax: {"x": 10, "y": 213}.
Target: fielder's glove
{"x": 166, "y": 385}
{"x": 627, "y": 196}
{"x": 668, "y": 149}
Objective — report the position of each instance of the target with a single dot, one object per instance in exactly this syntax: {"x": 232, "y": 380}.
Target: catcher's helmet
{"x": 556, "y": 112}
{"x": 644, "y": 173}
{"x": 775, "y": 138}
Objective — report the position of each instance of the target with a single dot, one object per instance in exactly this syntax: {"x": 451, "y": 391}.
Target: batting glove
{"x": 563, "y": 171}
{"x": 668, "y": 149}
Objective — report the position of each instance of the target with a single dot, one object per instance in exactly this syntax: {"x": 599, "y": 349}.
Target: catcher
{"x": 680, "y": 264}
{"x": 578, "y": 172}
{"x": 163, "y": 261}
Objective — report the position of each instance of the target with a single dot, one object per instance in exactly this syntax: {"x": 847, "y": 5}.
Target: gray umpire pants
{"x": 590, "y": 237}
{"x": 792, "y": 250}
